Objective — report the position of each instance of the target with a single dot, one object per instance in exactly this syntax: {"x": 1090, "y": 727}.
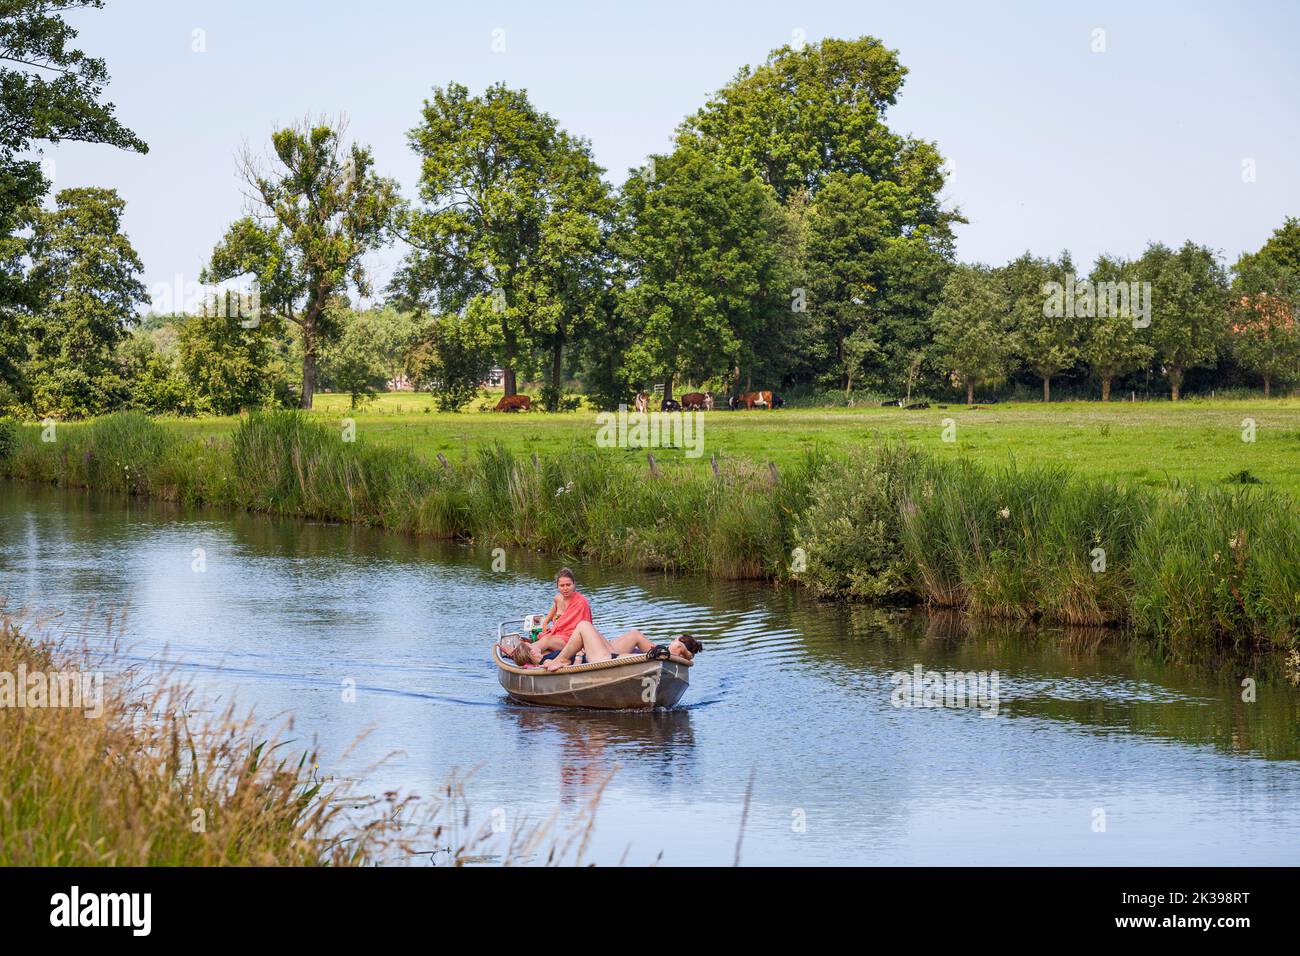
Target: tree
{"x": 510, "y": 218}
{"x": 50, "y": 92}
{"x": 701, "y": 244}
{"x": 355, "y": 362}
{"x": 1189, "y": 297}
{"x": 1112, "y": 344}
{"x": 153, "y": 376}
{"x": 318, "y": 211}
{"x": 1264, "y": 335}
{"x": 971, "y": 334}
{"x": 85, "y": 278}
{"x": 874, "y": 272}
{"x": 454, "y": 354}
{"x": 393, "y": 333}
{"x": 227, "y": 366}
{"x": 807, "y": 113}
{"x": 1046, "y": 334}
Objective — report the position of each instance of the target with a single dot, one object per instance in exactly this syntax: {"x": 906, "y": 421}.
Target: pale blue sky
{"x": 1054, "y": 146}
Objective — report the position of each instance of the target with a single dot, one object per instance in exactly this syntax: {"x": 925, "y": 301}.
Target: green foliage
{"x": 454, "y": 354}
{"x": 701, "y": 244}
{"x": 1189, "y": 297}
{"x": 972, "y": 334}
{"x": 875, "y": 262}
{"x": 8, "y": 439}
{"x": 49, "y": 92}
{"x": 323, "y": 208}
{"x": 228, "y": 367}
{"x": 86, "y": 280}
{"x": 509, "y": 222}
{"x": 1047, "y": 339}
{"x": 1112, "y": 345}
{"x": 851, "y": 527}
{"x": 807, "y": 113}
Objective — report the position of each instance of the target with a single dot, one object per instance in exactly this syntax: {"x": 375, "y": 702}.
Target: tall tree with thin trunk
{"x": 1046, "y": 334}
{"x": 1112, "y": 344}
{"x": 1189, "y": 299}
{"x": 317, "y": 210}
{"x": 972, "y": 328}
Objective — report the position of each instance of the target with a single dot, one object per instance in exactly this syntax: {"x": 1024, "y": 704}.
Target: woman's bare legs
{"x": 633, "y": 642}
{"x": 590, "y": 640}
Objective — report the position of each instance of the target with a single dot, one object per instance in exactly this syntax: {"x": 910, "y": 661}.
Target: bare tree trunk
{"x": 668, "y": 388}
{"x": 308, "y": 365}
{"x": 970, "y": 393}
{"x": 1105, "y": 389}
{"x": 557, "y": 372}
{"x": 1266, "y": 384}
{"x": 1175, "y": 381}
{"x": 1047, "y": 388}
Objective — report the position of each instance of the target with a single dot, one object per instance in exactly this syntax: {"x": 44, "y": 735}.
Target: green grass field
{"x": 1144, "y": 443}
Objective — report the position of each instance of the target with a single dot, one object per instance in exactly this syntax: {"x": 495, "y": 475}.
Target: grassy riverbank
{"x": 121, "y": 772}
{"x": 128, "y": 780}
{"x": 1190, "y": 566}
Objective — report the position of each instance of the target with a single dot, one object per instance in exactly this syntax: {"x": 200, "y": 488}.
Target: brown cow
{"x": 642, "y": 402}
{"x": 697, "y": 401}
{"x": 514, "y": 403}
{"x": 753, "y": 400}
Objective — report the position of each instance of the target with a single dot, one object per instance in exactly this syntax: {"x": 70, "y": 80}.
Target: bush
{"x": 850, "y": 532}
{"x": 8, "y": 440}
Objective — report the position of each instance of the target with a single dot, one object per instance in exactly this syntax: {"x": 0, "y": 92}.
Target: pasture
{"x": 1147, "y": 443}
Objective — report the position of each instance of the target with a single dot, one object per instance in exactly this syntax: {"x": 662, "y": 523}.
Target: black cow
{"x": 670, "y": 405}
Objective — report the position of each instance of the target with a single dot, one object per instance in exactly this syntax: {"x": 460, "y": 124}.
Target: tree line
{"x": 789, "y": 239}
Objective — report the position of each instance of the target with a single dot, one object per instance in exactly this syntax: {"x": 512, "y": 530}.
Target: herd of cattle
{"x": 691, "y": 402}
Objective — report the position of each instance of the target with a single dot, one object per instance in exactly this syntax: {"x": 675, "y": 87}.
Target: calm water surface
{"x": 794, "y": 692}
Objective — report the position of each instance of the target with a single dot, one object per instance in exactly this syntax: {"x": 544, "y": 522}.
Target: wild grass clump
{"x": 286, "y": 463}
{"x": 138, "y": 780}
{"x": 1033, "y": 543}
{"x": 143, "y": 785}
{"x": 1214, "y": 566}
{"x": 8, "y": 439}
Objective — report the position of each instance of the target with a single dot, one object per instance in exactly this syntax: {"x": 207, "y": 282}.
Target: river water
{"x": 1097, "y": 753}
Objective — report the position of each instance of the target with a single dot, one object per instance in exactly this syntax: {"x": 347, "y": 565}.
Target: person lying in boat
{"x": 595, "y": 647}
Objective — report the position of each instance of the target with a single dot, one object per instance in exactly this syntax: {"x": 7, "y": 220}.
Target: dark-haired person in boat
{"x": 595, "y": 647}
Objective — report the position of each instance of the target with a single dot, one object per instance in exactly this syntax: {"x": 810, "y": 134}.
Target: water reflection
{"x": 285, "y": 614}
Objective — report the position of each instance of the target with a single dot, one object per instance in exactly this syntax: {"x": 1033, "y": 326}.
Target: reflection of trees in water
{"x": 595, "y": 743}
{"x": 1098, "y": 677}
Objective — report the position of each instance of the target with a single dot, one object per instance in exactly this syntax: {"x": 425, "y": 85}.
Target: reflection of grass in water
{"x": 147, "y": 783}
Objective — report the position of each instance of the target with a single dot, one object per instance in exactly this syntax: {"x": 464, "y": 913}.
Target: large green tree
{"x": 50, "y": 92}
{"x": 1189, "y": 299}
{"x": 809, "y": 112}
{"x": 1046, "y": 326}
{"x": 701, "y": 243}
{"x": 510, "y": 217}
{"x": 85, "y": 278}
{"x": 972, "y": 326}
{"x": 1112, "y": 344}
{"x": 321, "y": 209}
{"x": 874, "y": 268}
{"x": 1263, "y": 331}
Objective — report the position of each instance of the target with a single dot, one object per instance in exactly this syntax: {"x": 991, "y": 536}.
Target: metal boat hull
{"x": 629, "y": 683}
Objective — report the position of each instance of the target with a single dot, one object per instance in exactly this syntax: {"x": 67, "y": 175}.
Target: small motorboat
{"x": 629, "y": 682}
